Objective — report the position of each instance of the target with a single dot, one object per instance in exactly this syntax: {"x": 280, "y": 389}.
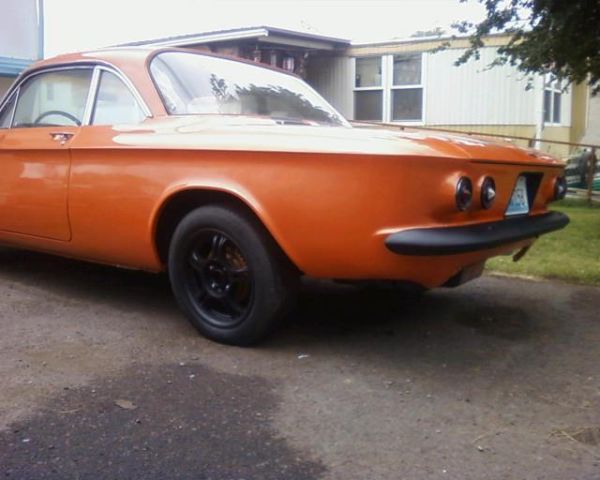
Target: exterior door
{"x": 34, "y": 152}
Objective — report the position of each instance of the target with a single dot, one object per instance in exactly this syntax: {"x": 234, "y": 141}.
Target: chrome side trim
{"x": 91, "y": 98}
{"x": 9, "y": 98}
{"x": 14, "y": 108}
{"x": 77, "y": 66}
{"x": 17, "y": 85}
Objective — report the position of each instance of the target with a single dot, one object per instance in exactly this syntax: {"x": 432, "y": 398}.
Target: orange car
{"x": 237, "y": 179}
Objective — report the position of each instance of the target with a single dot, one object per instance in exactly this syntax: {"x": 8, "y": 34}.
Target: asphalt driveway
{"x": 102, "y": 377}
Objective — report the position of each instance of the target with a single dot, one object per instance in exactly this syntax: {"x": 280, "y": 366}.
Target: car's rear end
{"x": 464, "y": 211}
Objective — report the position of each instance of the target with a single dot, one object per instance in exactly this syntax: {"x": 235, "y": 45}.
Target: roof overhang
{"x": 270, "y": 35}
{"x": 209, "y": 38}
{"x": 296, "y": 42}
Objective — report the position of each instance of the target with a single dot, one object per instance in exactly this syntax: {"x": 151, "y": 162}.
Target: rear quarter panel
{"x": 330, "y": 212}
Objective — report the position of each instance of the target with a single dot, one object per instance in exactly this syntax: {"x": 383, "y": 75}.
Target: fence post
{"x": 591, "y": 174}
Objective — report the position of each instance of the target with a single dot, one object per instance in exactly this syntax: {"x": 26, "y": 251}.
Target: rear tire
{"x": 229, "y": 276}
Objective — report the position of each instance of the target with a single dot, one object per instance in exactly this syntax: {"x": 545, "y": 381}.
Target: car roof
{"x": 117, "y": 56}
{"x": 131, "y": 62}
{"x": 125, "y": 58}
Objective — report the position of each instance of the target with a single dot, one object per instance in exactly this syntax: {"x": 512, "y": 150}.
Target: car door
{"x": 49, "y": 108}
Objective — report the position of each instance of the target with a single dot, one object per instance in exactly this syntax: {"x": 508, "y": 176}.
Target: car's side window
{"x": 115, "y": 103}
{"x": 53, "y": 99}
{"x": 6, "y": 113}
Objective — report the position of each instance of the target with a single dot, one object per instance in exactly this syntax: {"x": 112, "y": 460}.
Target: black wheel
{"x": 228, "y": 275}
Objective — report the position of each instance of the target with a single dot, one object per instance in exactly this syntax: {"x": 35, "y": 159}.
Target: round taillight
{"x": 488, "y": 192}
{"x": 560, "y": 188}
{"x": 464, "y": 193}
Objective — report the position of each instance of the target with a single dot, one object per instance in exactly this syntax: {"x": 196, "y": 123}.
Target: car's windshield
{"x": 192, "y": 83}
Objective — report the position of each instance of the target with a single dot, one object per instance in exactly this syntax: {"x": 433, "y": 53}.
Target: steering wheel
{"x": 73, "y": 118}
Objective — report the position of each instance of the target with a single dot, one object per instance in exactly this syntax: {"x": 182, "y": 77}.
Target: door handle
{"x": 61, "y": 137}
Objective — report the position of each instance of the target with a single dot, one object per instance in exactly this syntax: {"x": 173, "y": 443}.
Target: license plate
{"x": 519, "y": 201}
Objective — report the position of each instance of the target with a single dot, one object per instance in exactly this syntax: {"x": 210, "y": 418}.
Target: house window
{"x": 552, "y": 101}
{"x": 368, "y": 89}
{"x": 389, "y": 88}
{"x": 407, "y": 89}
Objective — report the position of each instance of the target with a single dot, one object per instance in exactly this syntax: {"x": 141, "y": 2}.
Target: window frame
{"x": 9, "y": 98}
{"x": 90, "y": 104}
{"x": 343, "y": 121}
{"x": 387, "y": 87}
{"x": 374, "y": 88}
{"x": 95, "y": 89}
{"x": 43, "y": 72}
{"x": 553, "y": 86}
{"x": 414, "y": 86}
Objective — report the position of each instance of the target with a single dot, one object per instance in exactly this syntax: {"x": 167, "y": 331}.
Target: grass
{"x": 571, "y": 254}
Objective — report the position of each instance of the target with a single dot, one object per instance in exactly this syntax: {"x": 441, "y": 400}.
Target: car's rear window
{"x": 192, "y": 83}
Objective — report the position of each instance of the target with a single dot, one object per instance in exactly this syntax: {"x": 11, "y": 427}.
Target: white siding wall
{"x": 19, "y": 29}
{"x": 473, "y": 94}
{"x": 332, "y": 77}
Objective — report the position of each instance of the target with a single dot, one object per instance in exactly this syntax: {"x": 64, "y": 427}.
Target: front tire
{"x": 229, "y": 276}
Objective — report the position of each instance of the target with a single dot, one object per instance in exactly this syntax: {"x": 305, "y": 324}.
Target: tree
{"x": 436, "y": 32}
{"x": 560, "y": 37}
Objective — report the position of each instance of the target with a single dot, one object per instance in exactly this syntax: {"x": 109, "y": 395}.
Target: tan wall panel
{"x": 419, "y": 46}
{"x": 579, "y": 99}
{"x": 592, "y": 133}
{"x": 561, "y": 134}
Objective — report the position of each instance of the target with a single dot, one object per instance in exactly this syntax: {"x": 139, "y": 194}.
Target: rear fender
{"x": 236, "y": 193}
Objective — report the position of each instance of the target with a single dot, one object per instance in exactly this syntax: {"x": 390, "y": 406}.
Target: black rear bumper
{"x": 471, "y": 238}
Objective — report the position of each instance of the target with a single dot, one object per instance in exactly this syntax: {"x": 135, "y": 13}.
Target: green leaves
{"x": 561, "y": 37}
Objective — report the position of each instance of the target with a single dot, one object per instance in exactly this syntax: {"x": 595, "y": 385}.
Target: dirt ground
{"x": 102, "y": 377}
